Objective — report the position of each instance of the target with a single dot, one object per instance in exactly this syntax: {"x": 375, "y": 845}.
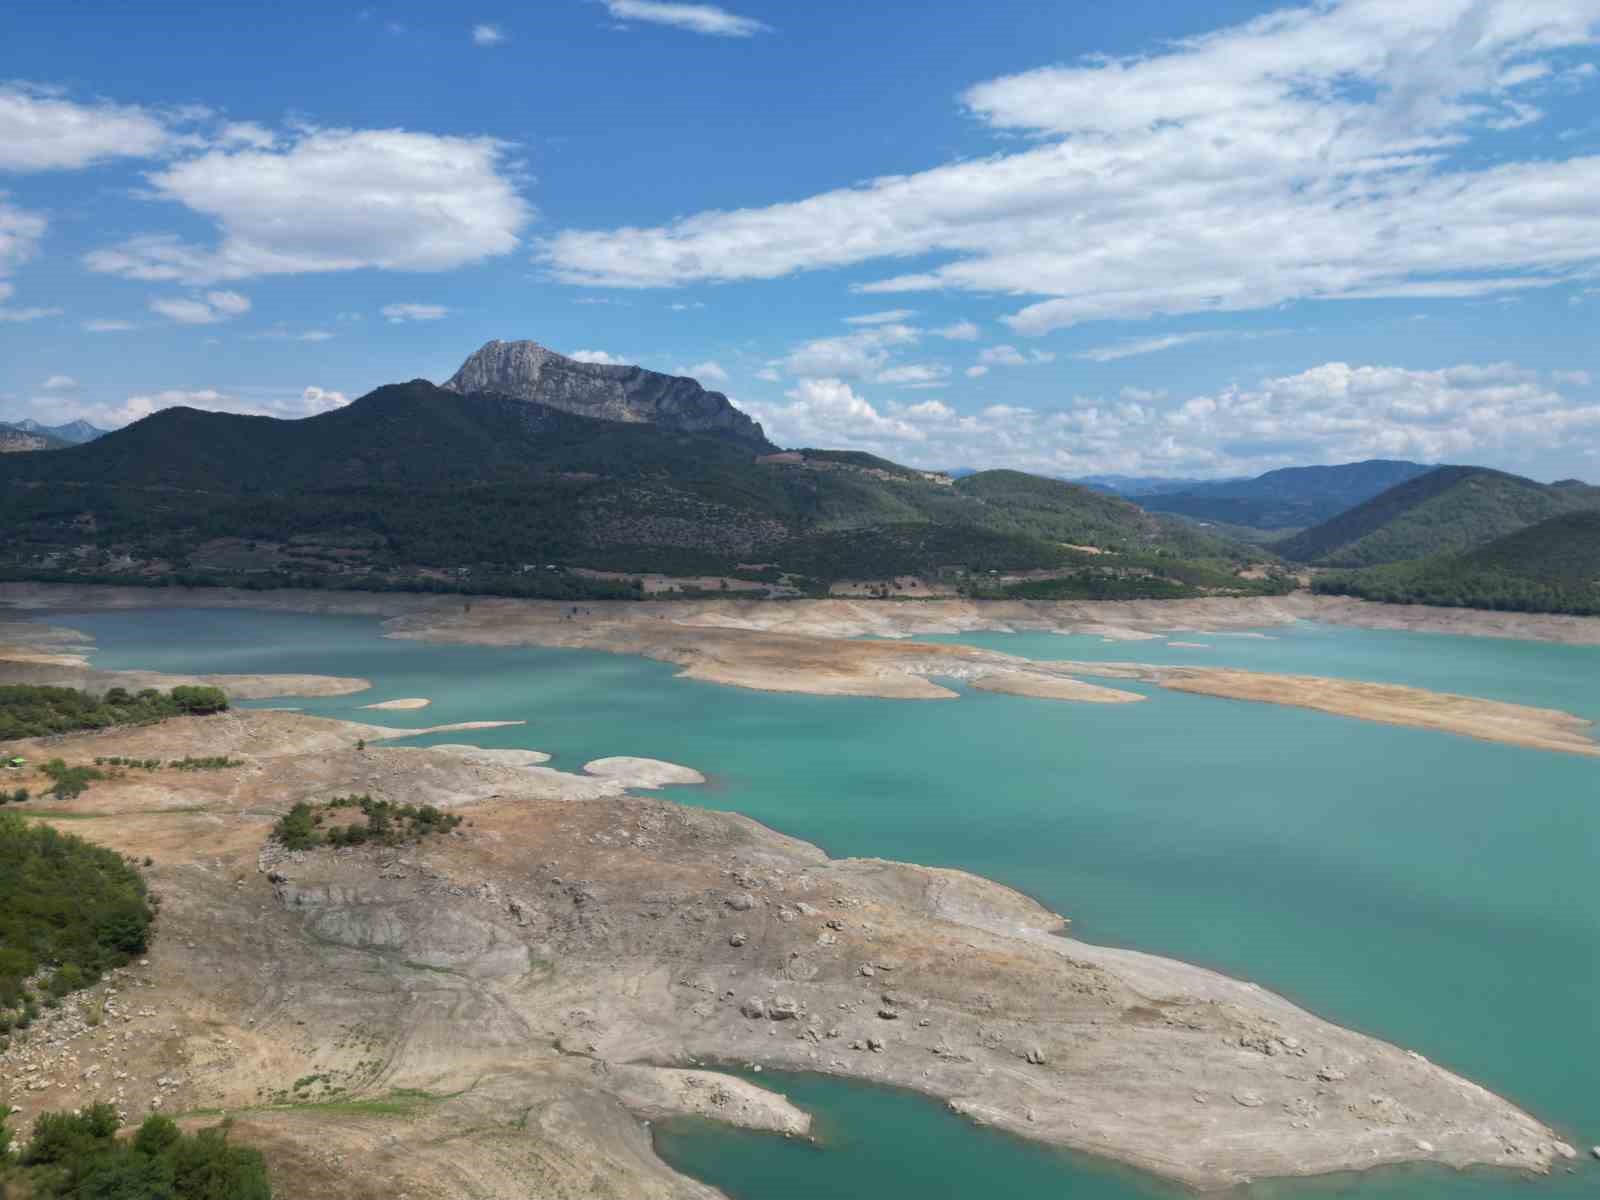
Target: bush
{"x": 66, "y": 903}
{"x": 79, "y": 1156}
{"x": 31, "y": 711}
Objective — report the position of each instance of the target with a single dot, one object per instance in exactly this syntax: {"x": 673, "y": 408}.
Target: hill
{"x": 1553, "y": 566}
{"x": 1291, "y": 498}
{"x": 1449, "y": 510}
{"x": 415, "y": 486}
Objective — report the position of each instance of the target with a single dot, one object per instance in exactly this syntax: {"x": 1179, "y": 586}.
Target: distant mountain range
{"x": 1291, "y": 498}
{"x": 28, "y": 434}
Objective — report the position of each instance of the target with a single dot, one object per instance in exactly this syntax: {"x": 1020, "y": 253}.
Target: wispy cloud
{"x": 696, "y": 18}
{"x": 487, "y": 35}
{"x": 1325, "y": 151}
{"x": 209, "y": 309}
{"x": 396, "y": 314}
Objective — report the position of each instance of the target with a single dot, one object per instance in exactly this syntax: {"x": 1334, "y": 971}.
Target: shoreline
{"x": 868, "y": 649}
{"x": 673, "y": 936}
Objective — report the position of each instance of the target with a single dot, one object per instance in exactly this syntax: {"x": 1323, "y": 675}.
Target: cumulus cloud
{"x": 1332, "y": 413}
{"x": 41, "y": 130}
{"x": 850, "y": 355}
{"x": 487, "y": 35}
{"x": 957, "y": 331}
{"x": 60, "y": 383}
{"x": 977, "y": 372}
{"x": 1334, "y": 150}
{"x": 709, "y": 371}
{"x": 396, "y": 314}
{"x": 696, "y": 18}
{"x": 210, "y": 309}
{"x": 332, "y": 200}
{"x": 599, "y": 357}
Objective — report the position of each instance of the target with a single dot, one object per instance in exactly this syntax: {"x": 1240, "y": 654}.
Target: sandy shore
{"x": 648, "y": 773}
{"x": 565, "y": 964}
{"x": 862, "y": 648}
{"x": 398, "y": 705}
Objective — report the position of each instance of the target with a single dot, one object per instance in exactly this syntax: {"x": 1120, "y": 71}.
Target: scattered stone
{"x": 737, "y": 939}
{"x": 783, "y": 1008}
{"x": 753, "y": 1008}
{"x": 875, "y": 1044}
{"x": 1249, "y": 1099}
{"x": 1330, "y": 1075}
{"x": 867, "y": 971}
{"x": 1035, "y": 1055}
{"x": 741, "y": 902}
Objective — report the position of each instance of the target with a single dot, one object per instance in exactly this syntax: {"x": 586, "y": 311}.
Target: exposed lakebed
{"x": 1429, "y": 889}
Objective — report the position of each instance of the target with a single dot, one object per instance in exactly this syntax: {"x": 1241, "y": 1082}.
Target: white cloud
{"x": 17, "y": 316}
{"x": 1010, "y": 356}
{"x": 769, "y": 374}
{"x": 1328, "y": 151}
{"x": 958, "y": 331}
{"x": 1571, "y": 378}
{"x": 708, "y": 371}
{"x": 487, "y": 35}
{"x": 977, "y": 372}
{"x": 697, "y": 18}
{"x": 599, "y": 357}
{"x": 209, "y": 309}
{"x": 104, "y": 325}
{"x": 315, "y": 400}
{"x": 42, "y": 131}
{"x": 1148, "y": 345}
{"x": 60, "y": 383}
{"x": 914, "y": 375}
{"x": 888, "y": 317}
{"x": 395, "y": 314}
{"x": 829, "y": 412}
{"x": 1328, "y": 414}
{"x": 332, "y": 200}
{"x": 678, "y": 307}
{"x": 849, "y": 356}
{"x": 20, "y": 234}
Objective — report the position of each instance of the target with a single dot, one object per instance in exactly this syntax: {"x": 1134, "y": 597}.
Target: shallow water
{"x": 1432, "y": 890}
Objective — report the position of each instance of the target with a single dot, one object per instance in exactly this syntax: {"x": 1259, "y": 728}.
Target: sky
{"x": 1129, "y": 237}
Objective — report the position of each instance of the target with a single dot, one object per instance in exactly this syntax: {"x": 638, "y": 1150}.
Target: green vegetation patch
{"x": 79, "y": 1156}
{"x": 67, "y": 904}
{"x": 29, "y": 711}
{"x": 383, "y": 822}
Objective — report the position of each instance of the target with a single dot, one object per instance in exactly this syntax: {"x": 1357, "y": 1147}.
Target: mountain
{"x": 20, "y": 437}
{"x": 73, "y": 432}
{"x": 413, "y": 486}
{"x": 632, "y": 395}
{"x": 1553, "y": 566}
{"x": 1141, "y": 485}
{"x": 1449, "y": 510}
{"x": 1291, "y": 498}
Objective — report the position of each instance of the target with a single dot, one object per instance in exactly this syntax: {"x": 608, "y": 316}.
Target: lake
{"x": 1431, "y": 890}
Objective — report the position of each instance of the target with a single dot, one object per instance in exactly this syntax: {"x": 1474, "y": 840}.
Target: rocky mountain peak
{"x": 608, "y": 392}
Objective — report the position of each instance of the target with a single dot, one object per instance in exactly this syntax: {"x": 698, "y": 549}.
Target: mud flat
{"x": 503, "y": 1004}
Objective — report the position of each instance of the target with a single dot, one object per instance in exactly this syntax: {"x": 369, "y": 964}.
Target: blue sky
{"x": 1134, "y": 237}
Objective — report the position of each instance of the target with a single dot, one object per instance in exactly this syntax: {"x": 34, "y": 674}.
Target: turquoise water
{"x": 1432, "y": 890}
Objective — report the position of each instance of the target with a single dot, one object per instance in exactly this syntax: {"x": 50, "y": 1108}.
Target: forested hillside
{"x": 1291, "y": 498}
{"x": 1553, "y": 566}
{"x": 414, "y": 486}
{"x": 1448, "y": 511}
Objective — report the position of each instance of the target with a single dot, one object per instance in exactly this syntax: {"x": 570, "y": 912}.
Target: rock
{"x": 1595, "y": 1151}
{"x": 889, "y": 1014}
{"x": 741, "y": 902}
{"x": 1330, "y": 1075}
{"x": 737, "y": 939}
{"x": 753, "y": 1008}
{"x": 1248, "y": 1099}
{"x": 868, "y": 971}
{"x": 1035, "y": 1055}
{"x": 783, "y": 1008}
{"x": 527, "y": 371}
{"x": 875, "y": 1044}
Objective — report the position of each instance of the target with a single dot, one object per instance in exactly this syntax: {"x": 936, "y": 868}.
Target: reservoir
{"x": 1431, "y": 890}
